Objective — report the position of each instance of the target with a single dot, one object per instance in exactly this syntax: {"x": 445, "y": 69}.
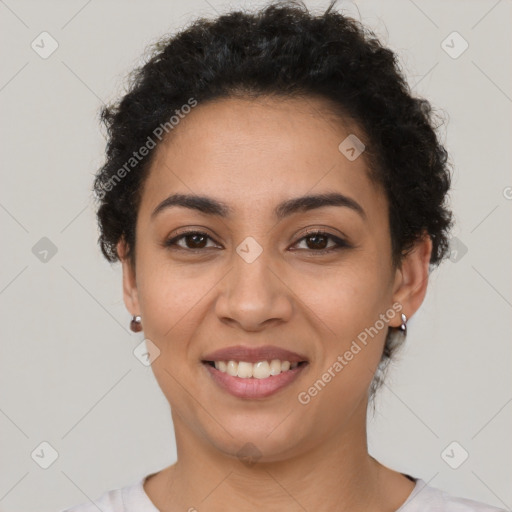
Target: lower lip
{"x": 254, "y": 388}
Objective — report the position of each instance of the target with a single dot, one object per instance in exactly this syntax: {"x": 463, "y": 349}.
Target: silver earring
{"x": 136, "y": 323}
{"x": 403, "y": 326}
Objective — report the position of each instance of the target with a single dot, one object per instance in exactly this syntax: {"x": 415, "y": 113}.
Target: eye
{"x": 193, "y": 240}
{"x": 317, "y": 241}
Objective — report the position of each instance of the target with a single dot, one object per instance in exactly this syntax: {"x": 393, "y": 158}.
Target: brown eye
{"x": 318, "y": 241}
{"x": 196, "y": 241}
{"x": 193, "y": 240}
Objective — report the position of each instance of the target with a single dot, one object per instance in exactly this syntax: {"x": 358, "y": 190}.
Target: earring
{"x": 403, "y": 326}
{"x": 136, "y": 323}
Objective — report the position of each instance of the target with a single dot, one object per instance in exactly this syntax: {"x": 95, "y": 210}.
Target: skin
{"x": 252, "y": 155}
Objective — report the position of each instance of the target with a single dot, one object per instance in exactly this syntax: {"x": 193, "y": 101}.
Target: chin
{"x": 267, "y": 439}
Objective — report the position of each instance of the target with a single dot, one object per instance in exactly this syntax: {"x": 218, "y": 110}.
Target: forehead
{"x": 259, "y": 152}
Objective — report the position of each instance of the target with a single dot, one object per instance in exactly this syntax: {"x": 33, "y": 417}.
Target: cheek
{"x": 169, "y": 291}
{"x": 349, "y": 298}
{"x": 353, "y": 304}
{"x": 339, "y": 382}
{"x": 170, "y": 305}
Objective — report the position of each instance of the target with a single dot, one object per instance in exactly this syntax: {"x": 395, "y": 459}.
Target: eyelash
{"x": 340, "y": 244}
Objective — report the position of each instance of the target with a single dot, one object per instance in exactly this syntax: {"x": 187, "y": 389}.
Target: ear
{"x": 411, "y": 279}
{"x": 130, "y": 295}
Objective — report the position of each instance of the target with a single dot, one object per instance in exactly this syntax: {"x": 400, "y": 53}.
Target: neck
{"x": 336, "y": 474}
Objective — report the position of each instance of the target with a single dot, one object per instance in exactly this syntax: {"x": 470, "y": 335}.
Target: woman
{"x": 277, "y": 198}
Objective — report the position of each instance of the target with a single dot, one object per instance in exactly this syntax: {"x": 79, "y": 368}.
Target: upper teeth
{"x": 259, "y": 370}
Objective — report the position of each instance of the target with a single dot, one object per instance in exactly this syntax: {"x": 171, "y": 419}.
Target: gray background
{"x": 67, "y": 372}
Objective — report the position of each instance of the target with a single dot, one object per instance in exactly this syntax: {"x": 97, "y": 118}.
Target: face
{"x": 257, "y": 274}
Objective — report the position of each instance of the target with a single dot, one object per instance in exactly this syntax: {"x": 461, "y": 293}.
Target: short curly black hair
{"x": 283, "y": 50}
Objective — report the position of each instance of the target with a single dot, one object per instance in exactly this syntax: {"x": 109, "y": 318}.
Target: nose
{"x": 254, "y": 295}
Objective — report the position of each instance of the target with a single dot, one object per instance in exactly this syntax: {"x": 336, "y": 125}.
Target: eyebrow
{"x": 210, "y": 206}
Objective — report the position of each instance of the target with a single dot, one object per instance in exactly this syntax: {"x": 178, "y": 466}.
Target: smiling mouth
{"x": 259, "y": 370}
{"x": 253, "y": 381}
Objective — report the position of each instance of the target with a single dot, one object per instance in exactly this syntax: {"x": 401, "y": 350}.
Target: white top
{"x": 423, "y": 498}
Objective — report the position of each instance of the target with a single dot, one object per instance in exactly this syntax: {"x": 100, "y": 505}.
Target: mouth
{"x": 258, "y": 370}
{"x": 253, "y": 373}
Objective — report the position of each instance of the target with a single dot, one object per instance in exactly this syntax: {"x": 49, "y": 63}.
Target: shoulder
{"x": 111, "y": 501}
{"x": 130, "y": 498}
{"x": 425, "y": 498}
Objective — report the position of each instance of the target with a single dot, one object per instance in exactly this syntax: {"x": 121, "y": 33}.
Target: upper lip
{"x": 254, "y": 354}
